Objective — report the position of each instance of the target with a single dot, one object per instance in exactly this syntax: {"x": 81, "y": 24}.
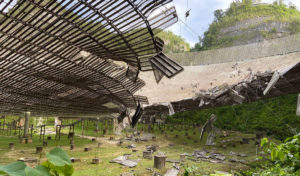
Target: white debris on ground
{"x": 125, "y": 161}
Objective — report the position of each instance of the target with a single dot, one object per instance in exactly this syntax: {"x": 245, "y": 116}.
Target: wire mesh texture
{"x": 57, "y": 57}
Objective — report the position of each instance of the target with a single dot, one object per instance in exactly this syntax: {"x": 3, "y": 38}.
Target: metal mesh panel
{"x": 56, "y": 56}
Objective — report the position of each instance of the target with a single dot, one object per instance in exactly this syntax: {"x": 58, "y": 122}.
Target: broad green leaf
{"x": 37, "y": 171}
{"x": 58, "y": 157}
{"x": 66, "y": 170}
{"x": 281, "y": 156}
{"x": 273, "y": 154}
{"x": 297, "y": 155}
{"x": 264, "y": 141}
{"x": 288, "y": 139}
{"x": 14, "y": 169}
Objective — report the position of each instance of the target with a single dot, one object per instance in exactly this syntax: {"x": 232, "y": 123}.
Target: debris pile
{"x": 152, "y": 148}
{"x": 212, "y": 157}
{"x": 131, "y": 146}
{"x": 237, "y": 154}
{"x": 250, "y": 89}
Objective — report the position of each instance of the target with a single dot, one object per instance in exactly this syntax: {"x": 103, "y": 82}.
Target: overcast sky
{"x": 201, "y": 15}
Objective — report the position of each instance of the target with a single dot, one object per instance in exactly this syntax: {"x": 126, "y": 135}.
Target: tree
{"x": 219, "y": 14}
{"x": 198, "y": 46}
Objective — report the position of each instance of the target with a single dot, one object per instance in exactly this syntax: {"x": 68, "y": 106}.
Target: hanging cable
{"x": 187, "y": 13}
{"x": 188, "y": 27}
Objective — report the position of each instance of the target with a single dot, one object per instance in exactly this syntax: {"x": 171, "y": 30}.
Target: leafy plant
{"x": 13, "y": 169}
{"x": 285, "y": 154}
{"x": 58, "y": 163}
{"x": 282, "y": 159}
{"x": 190, "y": 171}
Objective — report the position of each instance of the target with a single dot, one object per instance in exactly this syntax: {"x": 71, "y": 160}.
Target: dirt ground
{"x": 195, "y": 78}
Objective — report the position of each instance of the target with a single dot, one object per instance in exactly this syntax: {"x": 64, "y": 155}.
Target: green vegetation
{"x": 173, "y": 43}
{"x": 58, "y": 163}
{"x": 110, "y": 150}
{"x": 276, "y": 116}
{"x": 240, "y": 11}
{"x": 282, "y": 159}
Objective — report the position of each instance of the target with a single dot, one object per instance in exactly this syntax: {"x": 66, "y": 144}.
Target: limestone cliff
{"x": 246, "y": 22}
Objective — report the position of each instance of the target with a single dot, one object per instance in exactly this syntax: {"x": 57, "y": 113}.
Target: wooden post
{"x": 95, "y": 161}
{"x": 86, "y": 149}
{"x": 42, "y": 132}
{"x": 57, "y": 132}
{"x": 39, "y": 149}
{"x": 82, "y": 128}
{"x": 159, "y": 162}
{"x": 147, "y": 154}
{"x": 11, "y": 146}
{"x": 26, "y": 126}
{"x": 3, "y": 123}
{"x": 182, "y": 157}
{"x": 7, "y": 128}
{"x": 298, "y": 106}
{"x": 153, "y": 138}
{"x": 19, "y": 128}
{"x": 31, "y": 130}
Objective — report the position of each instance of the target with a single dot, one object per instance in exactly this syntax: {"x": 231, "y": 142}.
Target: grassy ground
{"x": 110, "y": 150}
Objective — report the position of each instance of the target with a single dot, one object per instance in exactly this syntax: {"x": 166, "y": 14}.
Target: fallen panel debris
{"x": 123, "y": 160}
{"x": 172, "y": 172}
{"x": 254, "y": 87}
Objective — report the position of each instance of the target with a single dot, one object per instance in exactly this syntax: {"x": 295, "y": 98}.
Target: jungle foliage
{"x": 282, "y": 159}
{"x": 275, "y": 116}
{"x": 173, "y": 43}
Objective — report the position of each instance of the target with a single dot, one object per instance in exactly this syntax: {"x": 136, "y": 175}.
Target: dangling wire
{"x": 179, "y": 28}
{"x": 187, "y": 13}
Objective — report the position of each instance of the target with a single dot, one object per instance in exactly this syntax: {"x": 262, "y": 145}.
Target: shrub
{"x": 58, "y": 163}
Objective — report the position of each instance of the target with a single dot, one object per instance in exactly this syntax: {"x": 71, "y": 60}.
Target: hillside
{"x": 173, "y": 43}
{"x": 246, "y": 22}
